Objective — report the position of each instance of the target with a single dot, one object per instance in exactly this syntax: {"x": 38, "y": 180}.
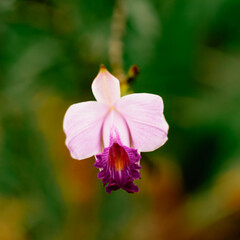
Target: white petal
{"x": 82, "y": 125}
{"x": 144, "y": 115}
{"x": 115, "y": 129}
{"x": 106, "y": 87}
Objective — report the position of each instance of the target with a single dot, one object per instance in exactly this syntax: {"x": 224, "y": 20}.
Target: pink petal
{"x": 106, "y": 87}
{"x": 115, "y": 128}
{"x": 82, "y": 125}
{"x": 144, "y": 115}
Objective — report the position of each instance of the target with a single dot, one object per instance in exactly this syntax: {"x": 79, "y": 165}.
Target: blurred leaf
{"x": 25, "y": 173}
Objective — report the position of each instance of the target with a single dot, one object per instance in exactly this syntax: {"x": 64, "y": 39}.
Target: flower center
{"x": 118, "y": 158}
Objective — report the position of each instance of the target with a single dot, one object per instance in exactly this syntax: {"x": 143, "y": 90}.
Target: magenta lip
{"x": 119, "y": 167}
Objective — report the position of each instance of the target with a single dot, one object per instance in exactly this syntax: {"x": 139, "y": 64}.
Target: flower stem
{"x": 116, "y": 40}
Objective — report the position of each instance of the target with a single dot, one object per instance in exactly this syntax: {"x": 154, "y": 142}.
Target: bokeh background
{"x": 188, "y": 52}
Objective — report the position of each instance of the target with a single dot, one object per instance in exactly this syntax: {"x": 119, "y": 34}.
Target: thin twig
{"x": 116, "y": 39}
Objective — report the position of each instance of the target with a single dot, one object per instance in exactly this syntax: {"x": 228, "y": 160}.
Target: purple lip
{"x": 119, "y": 167}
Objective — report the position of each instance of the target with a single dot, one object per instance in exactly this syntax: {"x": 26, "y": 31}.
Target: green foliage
{"x": 188, "y": 52}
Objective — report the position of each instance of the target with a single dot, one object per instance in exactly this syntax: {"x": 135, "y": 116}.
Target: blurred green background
{"x": 188, "y": 52}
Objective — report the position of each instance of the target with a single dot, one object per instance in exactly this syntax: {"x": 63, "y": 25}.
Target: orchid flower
{"x": 115, "y": 129}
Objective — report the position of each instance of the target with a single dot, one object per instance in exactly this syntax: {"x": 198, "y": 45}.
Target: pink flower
{"x": 115, "y": 129}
